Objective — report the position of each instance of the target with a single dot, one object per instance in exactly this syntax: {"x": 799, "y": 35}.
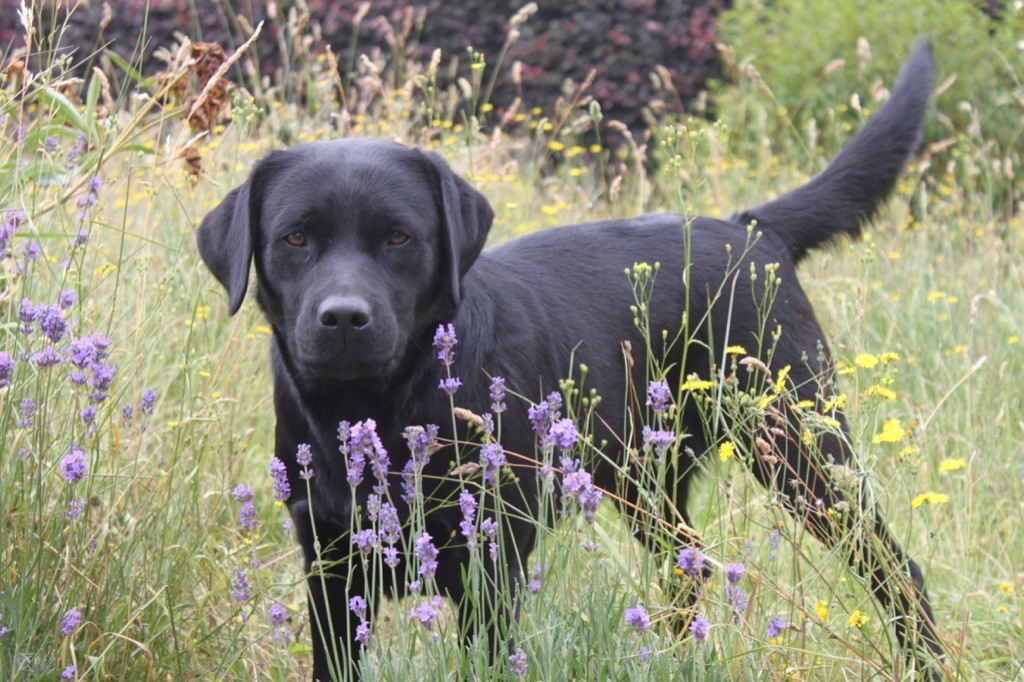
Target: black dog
{"x": 362, "y": 248}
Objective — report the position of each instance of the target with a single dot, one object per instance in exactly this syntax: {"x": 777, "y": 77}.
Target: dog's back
{"x": 847, "y": 194}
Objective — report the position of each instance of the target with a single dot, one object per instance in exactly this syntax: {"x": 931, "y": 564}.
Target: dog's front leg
{"x": 332, "y": 580}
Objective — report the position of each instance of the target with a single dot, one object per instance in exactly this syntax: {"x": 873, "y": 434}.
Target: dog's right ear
{"x": 226, "y": 243}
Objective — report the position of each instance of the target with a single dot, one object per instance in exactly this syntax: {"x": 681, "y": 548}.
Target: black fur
{"x": 353, "y": 316}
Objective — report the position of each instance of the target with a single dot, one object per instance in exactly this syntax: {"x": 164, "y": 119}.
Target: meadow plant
{"x": 141, "y": 523}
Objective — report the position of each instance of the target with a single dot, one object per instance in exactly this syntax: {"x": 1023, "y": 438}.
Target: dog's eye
{"x": 397, "y": 238}
{"x": 297, "y": 238}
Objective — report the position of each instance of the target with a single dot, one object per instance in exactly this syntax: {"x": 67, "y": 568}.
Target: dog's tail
{"x": 848, "y": 193}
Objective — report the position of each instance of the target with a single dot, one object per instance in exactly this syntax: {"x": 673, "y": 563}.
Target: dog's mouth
{"x": 346, "y": 368}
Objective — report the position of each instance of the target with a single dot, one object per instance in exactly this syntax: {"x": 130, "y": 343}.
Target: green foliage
{"x": 924, "y": 316}
{"x": 804, "y": 62}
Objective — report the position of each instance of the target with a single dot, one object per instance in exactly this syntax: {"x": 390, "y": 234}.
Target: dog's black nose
{"x": 344, "y": 311}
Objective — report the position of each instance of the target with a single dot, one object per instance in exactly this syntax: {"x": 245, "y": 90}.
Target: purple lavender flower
{"x": 699, "y": 627}
{"x": 102, "y": 377}
{"x": 450, "y": 385}
{"x": 366, "y": 541}
{"x": 390, "y": 529}
{"x": 357, "y": 605}
{"x": 691, "y": 560}
{"x": 543, "y": 414}
{"x": 444, "y": 341}
{"x": 247, "y": 516}
{"x": 75, "y": 509}
{"x": 535, "y": 584}
{"x": 421, "y": 442}
{"x": 498, "y": 395}
{"x": 373, "y": 506}
{"x": 47, "y": 357}
{"x": 9, "y": 221}
{"x": 517, "y": 663}
{"x": 589, "y": 501}
{"x": 467, "y": 503}
{"x": 67, "y": 298}
{"x": 575, "y": 482}
{"x": 427, "y": 554}
{"x": 4, "y": 630}
{"x": 410, "y": 491}
{"x": 277, "y": 615}
{"x": 304, "y": 455}
{"x": 127, "y": 412}
{"x": 657, "y": 441}
{"x": 391, "y": 557}
{"x": 27, "y": 316}
{"x": 776, "y": 626}
{"x": 240, "y": 587}
{"x": 69, "y": 673}
{"x": 564, "y": 434}
{"x": 773, "y": 543}
{"x": 72, "y": 617}
{"x": 734, "y": 572}
{"x": 278, "y": 472}
{"x": 148, "y": 402}
{"x": 492, "y": 458}
{"x": 88, "y": 414}
{"x": 364, "y": 633}
{"x": 489, "y": 528}
{"x": 6, "y": 368}
{"x": 658, "y": 396}
{"x": 636, "y": 617}
{"x": 242, "y": 493}
{"x": 426, "y": 613}
{"x": 365, "y": 446}
{"x": 26, "y": 413}
{"x": 737, "y": 598}
{"x": 30, "y": 250}
{"x": 643, "y": 655}
{"x": 52, "y": 323}
{"x": 80, "y": 147}
{"x": 73, "y": 467}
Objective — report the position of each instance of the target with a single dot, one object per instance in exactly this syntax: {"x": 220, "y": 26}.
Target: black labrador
{"x": 362, "y": 248}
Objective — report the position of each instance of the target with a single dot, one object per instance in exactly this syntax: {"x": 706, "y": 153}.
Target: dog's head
{"x": 357, "y": 244}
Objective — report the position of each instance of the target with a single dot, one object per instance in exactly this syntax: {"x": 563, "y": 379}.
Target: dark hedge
{"x": 623, "y": 40}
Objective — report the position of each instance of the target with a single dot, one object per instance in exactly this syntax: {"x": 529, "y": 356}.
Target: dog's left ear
{"x": 225, "y": 243}
{"x": 466, "y": 218}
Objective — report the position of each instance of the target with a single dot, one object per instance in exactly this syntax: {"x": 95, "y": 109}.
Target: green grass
{"x": 939, "y": 283}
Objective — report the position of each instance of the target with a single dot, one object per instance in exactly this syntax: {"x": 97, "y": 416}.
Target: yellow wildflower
{"x": 1006, "y": 588}
{"x": 858, "y": 619}
{"x": 736, "y": 350}
{"x": 696, "y": 385}
{"x": 821, "y": 608}
{"x": 951, "y": 464}
{"x": 929, "y": 498}
{"x": 892, "y": 432}
{"x": 866, "y": 360}
{"x": 780, "y": 383}
{"x": 881, "y": 392}
{"x": 726, "y": 451}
